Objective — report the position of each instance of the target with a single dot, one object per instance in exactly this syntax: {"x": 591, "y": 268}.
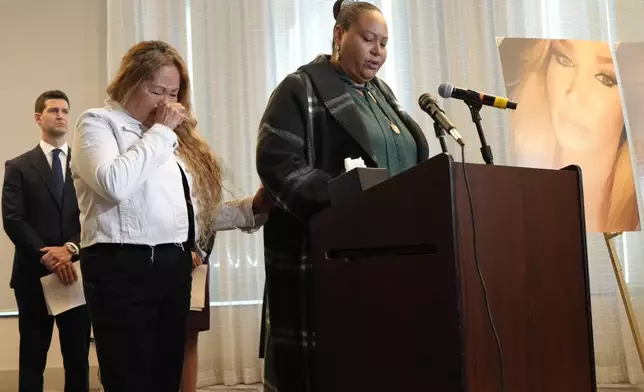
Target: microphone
{"x": 430, "y": 106}
{"x": 446, "y": 90}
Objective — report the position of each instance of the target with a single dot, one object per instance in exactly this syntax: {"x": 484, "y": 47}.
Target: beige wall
{"x": 45, "y": 45}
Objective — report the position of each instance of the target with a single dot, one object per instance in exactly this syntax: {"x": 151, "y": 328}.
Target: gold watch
{"x": 72, "y": 248}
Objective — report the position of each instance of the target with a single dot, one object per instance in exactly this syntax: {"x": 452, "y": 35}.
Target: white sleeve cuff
{"x": 200, "y": 252}
{"x": 166, "y": 132}
{"x": 253, "y": 221}
{"x": 238, "y": 214}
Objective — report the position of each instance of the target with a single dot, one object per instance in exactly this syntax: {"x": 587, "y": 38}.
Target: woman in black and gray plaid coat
{"x": 330, "y": 109}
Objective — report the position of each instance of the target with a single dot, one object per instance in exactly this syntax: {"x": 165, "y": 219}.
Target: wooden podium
{"x": 398, "y": 301}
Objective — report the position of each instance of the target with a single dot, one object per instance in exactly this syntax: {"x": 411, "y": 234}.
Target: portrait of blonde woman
{"x": 570, "y": 113}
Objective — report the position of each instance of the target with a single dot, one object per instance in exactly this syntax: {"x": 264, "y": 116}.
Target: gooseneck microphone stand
{"x": 440, "y": 134}
{"x": 486, "y": 151}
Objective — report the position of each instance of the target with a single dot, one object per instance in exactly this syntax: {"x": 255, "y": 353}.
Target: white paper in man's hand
{"x": 198, "y": 293}
{"x": 60, "y": 298}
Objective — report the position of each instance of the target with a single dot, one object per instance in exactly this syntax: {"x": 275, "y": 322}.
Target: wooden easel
{"x": 626, "y": 298}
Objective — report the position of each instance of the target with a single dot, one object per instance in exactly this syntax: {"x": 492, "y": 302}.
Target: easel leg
{"x": 626, "y": 298}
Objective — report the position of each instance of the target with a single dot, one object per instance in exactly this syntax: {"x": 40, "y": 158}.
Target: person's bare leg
{"x": 190, "y": 363}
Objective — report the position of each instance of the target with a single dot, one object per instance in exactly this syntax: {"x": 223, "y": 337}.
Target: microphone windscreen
{"x": 445, "y": 90}
{"x": 424, "y": 100}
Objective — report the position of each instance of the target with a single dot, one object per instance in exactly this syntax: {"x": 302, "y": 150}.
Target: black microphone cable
{"x": 480, "y": 274}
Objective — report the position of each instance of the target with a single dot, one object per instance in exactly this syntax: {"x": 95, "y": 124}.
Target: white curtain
{"x": 628, "y": 20}
{"x": 229, "y": 53}
{"x": 238, "y": 50}
{"x": 131, "y": 21}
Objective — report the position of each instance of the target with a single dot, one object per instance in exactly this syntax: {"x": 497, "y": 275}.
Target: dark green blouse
{"x": 393, "y": 144}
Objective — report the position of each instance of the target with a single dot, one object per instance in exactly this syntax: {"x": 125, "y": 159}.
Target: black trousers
{"x": 139, "y": 299}
{"x": 36, "y": 328}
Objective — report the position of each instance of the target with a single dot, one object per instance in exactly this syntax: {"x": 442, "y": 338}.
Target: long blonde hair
{"x": 138, "y": 65}
{"x": 527, "y": 87}
{"x": 623, "y": 213}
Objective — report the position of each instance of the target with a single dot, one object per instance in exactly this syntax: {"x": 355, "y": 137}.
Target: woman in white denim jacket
{"x": 149, "y": 193}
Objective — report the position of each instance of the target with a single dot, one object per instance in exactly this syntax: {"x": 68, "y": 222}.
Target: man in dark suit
{"x": 41, "y": 217}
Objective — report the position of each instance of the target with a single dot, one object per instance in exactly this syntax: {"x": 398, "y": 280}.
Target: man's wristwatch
{"x": 72, "y": 248}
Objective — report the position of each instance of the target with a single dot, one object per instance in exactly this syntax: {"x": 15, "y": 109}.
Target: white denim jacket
{"x": 129, "y": 186}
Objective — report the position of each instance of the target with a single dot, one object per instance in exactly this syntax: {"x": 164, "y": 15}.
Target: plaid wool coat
{"x": 309, "y": 127}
